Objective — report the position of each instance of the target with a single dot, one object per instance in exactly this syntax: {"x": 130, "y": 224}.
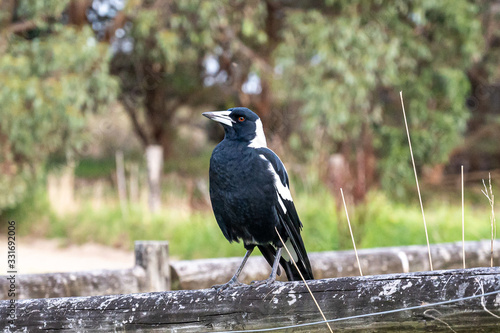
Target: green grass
{"x": 392, "y": 224}
{"x": 318, "y": 215}
{"x": 195, "y": 233}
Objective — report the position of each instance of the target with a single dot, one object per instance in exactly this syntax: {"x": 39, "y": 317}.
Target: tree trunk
{"x": 121, "y": 182}
{"x": 154, "y": 160}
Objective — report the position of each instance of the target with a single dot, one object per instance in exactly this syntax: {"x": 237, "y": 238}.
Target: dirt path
{"x": 48, "y": 255}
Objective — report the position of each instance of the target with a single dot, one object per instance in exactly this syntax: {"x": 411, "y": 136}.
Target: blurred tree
{"x": 51, "y": 75}
{"x": 173, "y": 54}
{"x": 341, "y": 63}
{"x": 159, "y": 49}
{"x": 479, "y": 150}
{"x": 347, "y": 61}
{"x": 484, "y": 74}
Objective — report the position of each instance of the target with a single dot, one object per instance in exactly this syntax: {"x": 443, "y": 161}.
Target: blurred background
{"x": 95, "y": 95}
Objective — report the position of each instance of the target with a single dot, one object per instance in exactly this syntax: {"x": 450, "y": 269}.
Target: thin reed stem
{"x": 416, "y": 179}
{"x": 463, "y": 218}
{"x": 304, "y": 280}
{"x": 491, "y": 199}
{"x": 350, "y": 230}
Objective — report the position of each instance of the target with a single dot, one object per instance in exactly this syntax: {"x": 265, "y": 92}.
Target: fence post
{"x": 152, "y": 256}
{"x": 121, "y": 181}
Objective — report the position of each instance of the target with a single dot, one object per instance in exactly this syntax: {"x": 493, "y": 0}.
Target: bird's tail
{"x": 293, "y": 274}
{"x": 295, "y": 246}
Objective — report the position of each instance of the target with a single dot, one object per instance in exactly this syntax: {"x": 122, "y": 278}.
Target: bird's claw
{"x": 231, "y": 284}
{"x": 266, "y": 282}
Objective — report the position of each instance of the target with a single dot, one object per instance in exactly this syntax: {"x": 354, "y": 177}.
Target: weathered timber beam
{"x": 204, "y": 273}
{"x": 151, "y": 272}
{"x": 97, "y": 282}
{"x": 282, "y": 304}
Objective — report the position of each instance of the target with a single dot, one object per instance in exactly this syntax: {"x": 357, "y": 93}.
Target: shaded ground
{"x": 49, "y": 255}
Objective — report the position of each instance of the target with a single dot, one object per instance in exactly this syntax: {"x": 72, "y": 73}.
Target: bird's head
{"x": 240, "y": 124}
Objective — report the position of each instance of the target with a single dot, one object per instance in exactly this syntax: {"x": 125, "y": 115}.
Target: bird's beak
{"x": 221, "y": 117}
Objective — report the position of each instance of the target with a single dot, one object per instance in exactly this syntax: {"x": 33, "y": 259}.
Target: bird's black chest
{"x": 242, "y": 193}
{"x": 240, "y": 177}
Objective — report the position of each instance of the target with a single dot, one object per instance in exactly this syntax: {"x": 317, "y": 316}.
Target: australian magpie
{"x": 250, "y": 195}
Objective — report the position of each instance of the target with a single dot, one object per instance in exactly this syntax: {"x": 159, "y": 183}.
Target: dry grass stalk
{"x": 304, "y": 280}
{"x": 416, "y": 179}
{"x": 463, "y": 217}
{"x": 350, "y": 230}
{"x": 491, "y": 199}
{"x": 427, "y": 314}
{"x": 483, "y": 302}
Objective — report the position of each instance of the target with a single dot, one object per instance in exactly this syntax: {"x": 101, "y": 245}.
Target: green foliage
{"x": 41, "y": 10}
{"x": 49, "y": 83}
{"x": 347, "y": 63}
{"x": 32, "y": 212}
{"x": 95, "y": 168}
{"x": 164, "y": 73}
{"x": 169, "y": 45}
{"x": 13, "y": 187}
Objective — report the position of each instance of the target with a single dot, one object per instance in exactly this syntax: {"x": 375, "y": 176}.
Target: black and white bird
{"x": 251, "y": 198}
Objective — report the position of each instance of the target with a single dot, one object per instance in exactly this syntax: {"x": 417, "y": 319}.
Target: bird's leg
{"x": 272, "y": 278}
{"x": 276, "y": 264}
{"x": 234, "y": 280}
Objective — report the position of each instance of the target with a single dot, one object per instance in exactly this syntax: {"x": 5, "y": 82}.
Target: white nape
{"x": 260, "y": 139}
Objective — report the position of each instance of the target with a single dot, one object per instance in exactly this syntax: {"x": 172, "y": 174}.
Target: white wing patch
{"x": 283, "y": 192}
{"x": 290, "y": 248}
{"x": 281, "y": 204}
{"x": 260, "y": 139}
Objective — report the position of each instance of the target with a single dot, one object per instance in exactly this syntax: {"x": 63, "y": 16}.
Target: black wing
{"x": 289, "y": 222}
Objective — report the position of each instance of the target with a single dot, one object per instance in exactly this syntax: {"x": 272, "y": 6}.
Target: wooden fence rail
{"x": 204, "y": 273}
{"x": 417, "y": 302}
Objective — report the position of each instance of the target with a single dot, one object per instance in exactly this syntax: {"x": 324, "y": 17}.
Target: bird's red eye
{"x": 241, "y": 119}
